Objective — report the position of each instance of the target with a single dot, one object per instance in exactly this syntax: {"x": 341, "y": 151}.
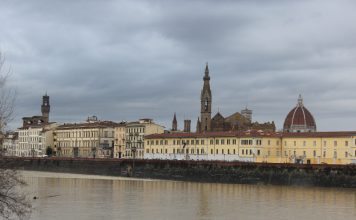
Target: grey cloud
{"x": 123, "y": 60}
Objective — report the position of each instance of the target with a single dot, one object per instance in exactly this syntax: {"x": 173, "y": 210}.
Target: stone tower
{"x": 205, "y": 99}
{"x": 247, "y": 113}
{"x": 45, "y": 108}
{"x": 187, "y": 125}
{"x": 174, "y": 123}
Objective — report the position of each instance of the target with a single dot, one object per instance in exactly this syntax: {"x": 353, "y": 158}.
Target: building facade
{"x": 35, "y": 137}
{"x": 255, "y": 146}
{"x": 120, "y": 140}
{"x": 10, "y": 144}
{"x": 135, "y": 136}
{"x": 90, "y": 139}
{"x": 35, "y": 140}
{"x": 235, "y": 122}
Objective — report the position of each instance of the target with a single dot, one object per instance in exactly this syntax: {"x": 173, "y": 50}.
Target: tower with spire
{"x": 174, "y": 123}
{"x": 205, "y": 101}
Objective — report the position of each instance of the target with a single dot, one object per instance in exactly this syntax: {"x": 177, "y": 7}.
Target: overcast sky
{"x": 124, "y": 60}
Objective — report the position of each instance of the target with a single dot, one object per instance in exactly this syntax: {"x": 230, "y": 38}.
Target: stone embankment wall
{"x": 200, "y": 171}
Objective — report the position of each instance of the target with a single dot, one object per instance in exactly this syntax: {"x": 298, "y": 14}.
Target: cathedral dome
{"x": 299, "y": 119}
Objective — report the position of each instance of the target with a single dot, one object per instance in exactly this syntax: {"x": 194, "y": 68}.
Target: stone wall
{"x": 201, "y": 171}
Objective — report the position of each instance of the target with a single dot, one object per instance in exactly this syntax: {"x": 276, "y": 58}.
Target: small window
{"x": 314, "y": 153}
{"x": 258, "y": 152}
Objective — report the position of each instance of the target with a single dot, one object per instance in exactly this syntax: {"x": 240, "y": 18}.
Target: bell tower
{"x": 205, "y": 101}
{"x": 45, "y": 107}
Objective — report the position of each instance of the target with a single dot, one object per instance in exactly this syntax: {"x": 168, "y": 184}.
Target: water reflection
{"x": 61, "y": 196}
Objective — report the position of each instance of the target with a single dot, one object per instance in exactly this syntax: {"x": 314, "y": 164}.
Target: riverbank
{"x": 200, "y": 171}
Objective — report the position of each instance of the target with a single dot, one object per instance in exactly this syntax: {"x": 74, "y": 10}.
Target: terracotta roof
{"x": 99, "y": 124}
{"x": 299, "y": 116}
{"x": 320, "y": 134}
{"x": 253, "y": 133}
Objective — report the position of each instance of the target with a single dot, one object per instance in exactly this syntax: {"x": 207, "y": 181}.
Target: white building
{"x": 10, "y": 143}
{"x": 34, "y": 140}
{"x": 135, "y": 135}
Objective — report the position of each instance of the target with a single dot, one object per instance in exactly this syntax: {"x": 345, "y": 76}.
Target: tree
{"x": 13, "y": 203}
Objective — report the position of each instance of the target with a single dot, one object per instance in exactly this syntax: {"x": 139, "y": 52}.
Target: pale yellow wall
{"x": 135, "y": 135}
{"x": 87, "y": 140}
{"x": 262, "y": 149}
{"x": 119, "y": 141}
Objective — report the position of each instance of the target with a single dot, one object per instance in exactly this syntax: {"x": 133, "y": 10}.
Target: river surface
{"x": 86, "y": 197}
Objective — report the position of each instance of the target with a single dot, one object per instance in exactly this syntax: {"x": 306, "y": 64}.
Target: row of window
{"x": 243, "y": 152}
{"x": 335, "y": 143}
{"x": 78, "y": 143}
{"x": 202, "y": 142}
{"x": 135, "y": 130}
{"x": 228, "y": 142}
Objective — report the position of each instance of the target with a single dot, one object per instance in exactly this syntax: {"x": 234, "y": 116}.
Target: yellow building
{"x": 135, "y": 135}
{"x": 90, "y": 139}
{"x": 255, "y": 146}
{"x": 120, "y": 140}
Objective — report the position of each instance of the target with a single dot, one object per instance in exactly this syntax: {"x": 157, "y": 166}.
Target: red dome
{"x": 299, "y": 119}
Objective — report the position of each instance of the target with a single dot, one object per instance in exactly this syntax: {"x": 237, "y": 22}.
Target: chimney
{"x": 187, "y": 125}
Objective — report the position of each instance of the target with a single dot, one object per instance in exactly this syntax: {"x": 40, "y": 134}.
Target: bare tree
{"x": 13, "y": 202}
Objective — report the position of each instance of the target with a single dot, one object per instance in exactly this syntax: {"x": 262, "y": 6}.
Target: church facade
{"x": 235, "y": 122}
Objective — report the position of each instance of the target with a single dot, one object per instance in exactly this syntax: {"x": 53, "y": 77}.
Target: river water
{"x": 79, "y": 197}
